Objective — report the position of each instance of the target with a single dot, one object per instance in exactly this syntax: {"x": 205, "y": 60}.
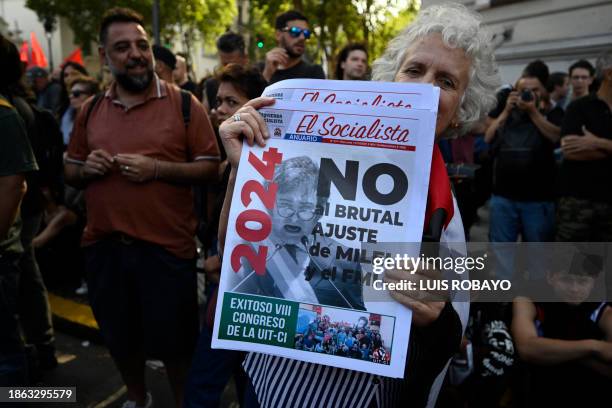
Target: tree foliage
{"x": 336, "y": 23}
{"x": 205, "y": 19}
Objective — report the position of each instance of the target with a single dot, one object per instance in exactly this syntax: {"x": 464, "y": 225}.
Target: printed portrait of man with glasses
{"x": 294, "y": 270}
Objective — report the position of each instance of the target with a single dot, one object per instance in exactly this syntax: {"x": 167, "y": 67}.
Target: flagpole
{"x": 49, "y": 24}
{"x": 156, "y": 22}
{"x": 50, "y": 51}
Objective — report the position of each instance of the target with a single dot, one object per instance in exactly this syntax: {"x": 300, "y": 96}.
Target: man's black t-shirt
{"x": 301, "y": 70}
{"x": 569, "y": 384}
{"x": 588, "y": 179}
{"x": 16, "y": 157}
{"x": 524, "y": 165}
{"x": 190, "y": 86}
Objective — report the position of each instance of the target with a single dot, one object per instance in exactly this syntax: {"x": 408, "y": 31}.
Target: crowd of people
{"x": 114, "y": 167}
{"x": 343, "y": 339}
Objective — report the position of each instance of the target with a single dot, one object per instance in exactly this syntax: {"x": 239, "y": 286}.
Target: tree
{"x": 204, "y": 19}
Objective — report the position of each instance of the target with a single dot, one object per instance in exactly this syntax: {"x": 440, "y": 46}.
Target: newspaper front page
{"x": 332, "y": 177}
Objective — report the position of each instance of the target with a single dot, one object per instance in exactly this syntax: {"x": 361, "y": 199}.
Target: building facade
{"x": 557, "y": 31}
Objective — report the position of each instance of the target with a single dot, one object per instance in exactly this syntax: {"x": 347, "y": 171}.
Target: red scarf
{"x": 439, "y": 194}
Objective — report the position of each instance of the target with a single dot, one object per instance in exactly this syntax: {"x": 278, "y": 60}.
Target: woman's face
{"x": 430, "y": 61}
{"x": 229, "y": 100}
{"x": 69, "y": 74}
{"x": 78, "y": 95}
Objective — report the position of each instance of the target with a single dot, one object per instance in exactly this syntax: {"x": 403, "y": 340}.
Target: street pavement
{"x": 88, "y": 367}
{"x": 85, "y": 363}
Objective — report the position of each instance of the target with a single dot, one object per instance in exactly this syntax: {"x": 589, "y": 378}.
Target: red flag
{"x": 24, "y": 52}
{"x": 75, "y": 56}
{"x": 38, "y": 56}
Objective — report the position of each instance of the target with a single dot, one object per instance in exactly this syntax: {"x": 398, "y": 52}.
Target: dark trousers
{"x": 33, "y": 301}
{"x": 211, "y": 370}
{"x": 143, "y": 297}
{"x": 582, "y": 220}
{"x": 250, "y": 397}
{"x": 13, "y": 367}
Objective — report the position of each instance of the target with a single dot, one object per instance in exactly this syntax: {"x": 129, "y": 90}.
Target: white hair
{"x": 460, "y": 28}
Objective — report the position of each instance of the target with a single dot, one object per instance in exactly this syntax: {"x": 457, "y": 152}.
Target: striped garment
{"x": 283, "y": 382}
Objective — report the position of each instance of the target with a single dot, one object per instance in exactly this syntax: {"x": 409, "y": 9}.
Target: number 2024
{"x": 265, "y": 167}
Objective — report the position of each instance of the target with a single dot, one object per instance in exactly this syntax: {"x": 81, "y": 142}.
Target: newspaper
{"x": 331, "y": 177}
{"x": 359, "y": 93}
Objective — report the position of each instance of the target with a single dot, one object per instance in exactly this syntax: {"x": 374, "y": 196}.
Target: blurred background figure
{"x": 71, "y": 208}
{"x": 352, "y": 63}
{"x": 230, "y": 49}
{"x": 181, "y": 75}
{"x": 48, "y": 92}
{"x": 286, "y": 60}
{"x": 66, "y": 113}
{"x": 581, "y": 77}
{"x": 165, "y": 63}
{"x": 16, "y": 161}
{"x": 211, "y": 370}
{"x": 558, "y": 89}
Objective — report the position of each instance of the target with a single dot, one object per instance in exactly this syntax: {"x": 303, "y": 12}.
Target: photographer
{"x": 522, "y": 138}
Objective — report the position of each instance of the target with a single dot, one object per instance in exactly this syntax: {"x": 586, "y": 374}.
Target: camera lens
{"x": 526, "y": 96}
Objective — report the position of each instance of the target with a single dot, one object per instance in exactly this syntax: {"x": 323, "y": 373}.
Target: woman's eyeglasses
{"x": 296, "y": 31}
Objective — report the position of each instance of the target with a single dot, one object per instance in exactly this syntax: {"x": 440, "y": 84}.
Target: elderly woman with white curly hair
{"x": 445, "y": 46}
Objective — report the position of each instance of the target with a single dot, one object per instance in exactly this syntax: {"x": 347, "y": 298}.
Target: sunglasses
{"x": 76, "y": 94}
{"x": 296, "y": 31}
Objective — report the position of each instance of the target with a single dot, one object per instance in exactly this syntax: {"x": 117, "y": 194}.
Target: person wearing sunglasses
{"x": 285, "y": 61}
{"x": 80, "y": 88}
{"x": 69, "y": 211}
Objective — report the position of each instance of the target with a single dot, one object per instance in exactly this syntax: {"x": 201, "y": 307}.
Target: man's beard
{"x": 292, "y": 54}
{"x": 132, "y": 83}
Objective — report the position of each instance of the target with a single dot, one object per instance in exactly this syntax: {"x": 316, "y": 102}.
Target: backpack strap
{"x": 92, "y": 105}
{"x": 186, "y": 107}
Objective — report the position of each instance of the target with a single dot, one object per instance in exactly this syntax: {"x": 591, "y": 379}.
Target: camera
{"x": 526, "y": 95}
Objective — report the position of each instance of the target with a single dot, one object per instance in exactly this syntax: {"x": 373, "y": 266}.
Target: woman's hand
{"x": 251, "y": 126}
{"x": 426, "y": 305}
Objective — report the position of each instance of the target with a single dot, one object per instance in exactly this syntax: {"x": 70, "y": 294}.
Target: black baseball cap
{"x": 165, "y": 55}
